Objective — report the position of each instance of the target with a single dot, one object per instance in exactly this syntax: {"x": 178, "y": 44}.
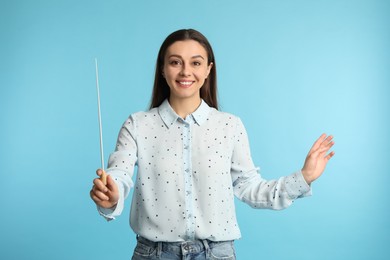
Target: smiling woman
{"x": 192, "y": 160}
{"x": 185, "y": 69}
{"x": 196, "y": 45}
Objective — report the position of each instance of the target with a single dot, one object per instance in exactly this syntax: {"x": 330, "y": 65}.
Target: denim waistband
{"x": 185, "y": 247}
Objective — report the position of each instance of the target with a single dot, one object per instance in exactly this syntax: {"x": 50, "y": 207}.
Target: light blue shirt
{"x": 189, "y": 171}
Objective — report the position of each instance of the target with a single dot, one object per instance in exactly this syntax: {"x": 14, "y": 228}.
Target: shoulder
{"x": 142, "y": 117}
{"x": 224, "y": 117}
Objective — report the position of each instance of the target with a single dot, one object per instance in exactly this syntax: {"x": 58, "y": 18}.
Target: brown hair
{"x": 161, "y": 90}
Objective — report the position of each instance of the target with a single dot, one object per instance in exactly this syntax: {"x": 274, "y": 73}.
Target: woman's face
{"x": 186, "y": 69}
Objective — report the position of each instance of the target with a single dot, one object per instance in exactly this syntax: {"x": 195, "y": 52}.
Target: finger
{"x": 99, "y": 172}
{"x": 325, "y": 149}
{"x": 322, "y": 155}
{"x": 329, "y": 156}
{"x": 326, "y": 146}
{"x": 321, "y": 151}
{"x": 94, "y": 197}
{"x": 99, "y": 195}
{"x": 327, "y": 140}
{"x": 111, "y": 184}
{"x": 317, "y": 143}
{"x": 100, "y": 185}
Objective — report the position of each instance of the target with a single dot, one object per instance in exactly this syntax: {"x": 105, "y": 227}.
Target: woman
{"x": 192, "y": 160}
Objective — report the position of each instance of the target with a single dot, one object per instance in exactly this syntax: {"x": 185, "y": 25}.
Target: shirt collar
{"x": 169, "y": 116}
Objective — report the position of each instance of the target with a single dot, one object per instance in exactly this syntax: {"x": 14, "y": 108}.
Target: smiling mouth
{"x": 185, "y": 84}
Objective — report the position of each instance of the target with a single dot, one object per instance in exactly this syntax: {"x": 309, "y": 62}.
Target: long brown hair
{"x": 161, "y": 90}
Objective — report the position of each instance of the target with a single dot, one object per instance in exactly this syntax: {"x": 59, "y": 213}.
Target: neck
{"x": 184, "y": 107}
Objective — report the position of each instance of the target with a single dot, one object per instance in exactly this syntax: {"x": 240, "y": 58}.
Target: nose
{"x": 185, "y": 70}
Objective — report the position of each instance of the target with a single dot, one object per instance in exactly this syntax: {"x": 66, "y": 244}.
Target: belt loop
{"x": 159, "y": 249}
{"x": 206, "y": 248}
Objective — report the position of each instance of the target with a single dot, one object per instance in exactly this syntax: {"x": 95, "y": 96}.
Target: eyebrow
{"x": 193, "y": 57}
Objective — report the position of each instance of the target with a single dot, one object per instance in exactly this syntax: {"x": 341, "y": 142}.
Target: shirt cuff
{"x": 107, "y": 213}
{"x": 110, "y": 213}
{"x": 296, "y": 186}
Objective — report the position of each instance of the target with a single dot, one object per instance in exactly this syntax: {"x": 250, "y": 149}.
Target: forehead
{"x": 187, "y": 48}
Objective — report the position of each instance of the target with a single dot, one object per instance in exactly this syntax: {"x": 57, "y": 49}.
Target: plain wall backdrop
{"x": 290, "y": 69}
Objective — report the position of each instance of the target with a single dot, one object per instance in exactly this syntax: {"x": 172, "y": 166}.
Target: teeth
{"x": 185, "y": 83}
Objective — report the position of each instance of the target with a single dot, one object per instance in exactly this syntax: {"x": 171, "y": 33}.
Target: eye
{"x": 197, "y": 63}
{"x": 175, "y": 62}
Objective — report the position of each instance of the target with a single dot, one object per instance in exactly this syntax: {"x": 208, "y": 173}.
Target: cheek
{"x": 207, "y": 71}
{"x": 201, "y": 74}
{"x": 168, "y": 75}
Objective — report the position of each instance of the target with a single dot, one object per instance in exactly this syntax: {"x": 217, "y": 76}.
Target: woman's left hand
{"x": 317, "y": 158}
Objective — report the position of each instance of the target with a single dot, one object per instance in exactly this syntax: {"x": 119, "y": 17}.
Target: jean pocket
{"x": 222, "y": 251}
{"x": 144, "y": 250}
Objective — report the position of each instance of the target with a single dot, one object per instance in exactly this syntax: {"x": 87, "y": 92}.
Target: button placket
{"x": 189, "y": 216}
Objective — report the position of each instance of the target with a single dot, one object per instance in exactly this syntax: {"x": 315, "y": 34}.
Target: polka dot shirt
{"x": 188, "y": 172}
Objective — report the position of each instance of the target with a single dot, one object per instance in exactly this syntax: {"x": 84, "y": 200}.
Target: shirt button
{"x": 187, "y": 170}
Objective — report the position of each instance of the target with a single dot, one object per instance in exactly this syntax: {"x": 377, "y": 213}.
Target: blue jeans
{"x": 189, "y": 250}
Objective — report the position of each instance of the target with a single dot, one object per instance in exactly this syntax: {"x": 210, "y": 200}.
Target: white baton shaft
{"x": 103, "y": 177}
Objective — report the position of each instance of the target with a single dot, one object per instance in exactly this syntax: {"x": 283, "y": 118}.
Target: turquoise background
{"x": 290, "y": 69}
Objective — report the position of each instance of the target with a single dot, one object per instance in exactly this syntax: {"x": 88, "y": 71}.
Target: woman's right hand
{"x": 105, "y": 196}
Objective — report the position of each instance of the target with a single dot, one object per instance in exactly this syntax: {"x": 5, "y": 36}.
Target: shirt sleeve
{"x": 121, "y": 164}
{"x": 257, "y": 192}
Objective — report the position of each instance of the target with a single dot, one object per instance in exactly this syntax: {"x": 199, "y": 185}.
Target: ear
{"x": 209, "y": 69}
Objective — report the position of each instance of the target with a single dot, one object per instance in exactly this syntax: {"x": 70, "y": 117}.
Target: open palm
{"x": 318, "y": 158}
